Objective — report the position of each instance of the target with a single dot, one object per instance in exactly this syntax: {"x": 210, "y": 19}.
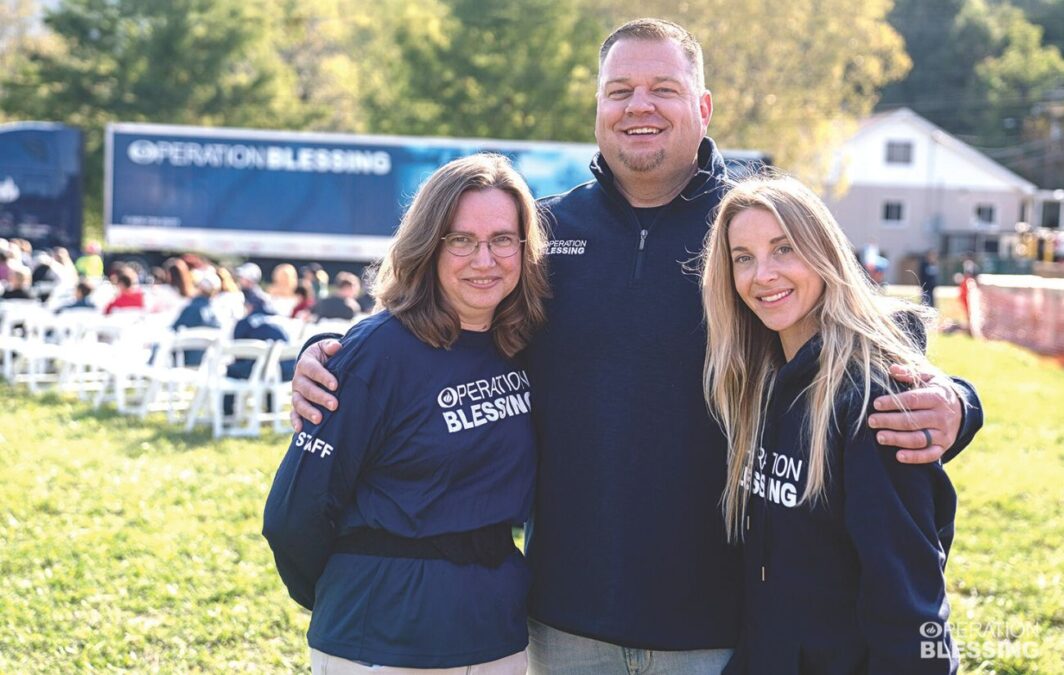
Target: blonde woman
{"x": 844, "y": 548}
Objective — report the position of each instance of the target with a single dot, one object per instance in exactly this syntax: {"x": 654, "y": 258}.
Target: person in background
{"x": 283, "y": 281}
{"x": 248, "y": 277}
{"x": 199, "y": 312}
{"x": 256, "y": 325}
{"x": 18, "y": 284}
{"x": 307, "y": 298}
{"x": 282, "y": 289}
{"x": 179, "y": 277}
{"x": 25, "y": 252}
{"x": 229, "y": 300}
{"x": 45, "y": 276}
{"x": 130, "y": 294}
{"x": 90, "y": 264}
{"x": 82, "y": 293}
{"x": 928, "y": 275}
{"x": 396, "y": 531}
{"x": 314, "y": 274}
{"x": 64, "y": 266}
{"x": 343, "y": 303}
{"x": 844, "y": 548}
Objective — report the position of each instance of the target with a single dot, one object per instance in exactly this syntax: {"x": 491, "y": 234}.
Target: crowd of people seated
{"x": 186, "y": 292}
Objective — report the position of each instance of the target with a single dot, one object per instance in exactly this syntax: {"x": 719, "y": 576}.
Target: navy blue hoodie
{"x": 855, "y": 583}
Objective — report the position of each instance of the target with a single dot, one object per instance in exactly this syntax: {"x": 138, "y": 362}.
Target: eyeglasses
{"x": 461, "y": 244}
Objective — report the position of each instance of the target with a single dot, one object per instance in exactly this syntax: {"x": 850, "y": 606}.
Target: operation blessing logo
{"x": 264, "y": 157}
{"x": 566, "y": 247}
{"x": 782, "y": 486}
{"x": 473, "y": 404}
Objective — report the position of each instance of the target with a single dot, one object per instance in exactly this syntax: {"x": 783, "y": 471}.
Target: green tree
{"x": 983, "y": 70}
{"x": 172, "y": 61}
{"x": 334, "y": 52}
{"x": 504, "y": 70}
{"x": 20, "y": 33}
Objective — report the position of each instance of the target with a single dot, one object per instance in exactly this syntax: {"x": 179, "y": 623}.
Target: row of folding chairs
{"x": 142, "y": 368}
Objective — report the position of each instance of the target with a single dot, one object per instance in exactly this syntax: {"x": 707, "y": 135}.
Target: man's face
{"x": 652, "y": 115}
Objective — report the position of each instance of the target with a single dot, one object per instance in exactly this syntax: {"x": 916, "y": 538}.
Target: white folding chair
{"x": 279, "y": 389}
{"x": 248, "y": 394}
{"x": 171, "y": 384}
{"x": 13, "y": 330}
{"x": 120, "y": 362}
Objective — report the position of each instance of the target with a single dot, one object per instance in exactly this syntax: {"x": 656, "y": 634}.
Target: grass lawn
{"x": 131, "y": 546}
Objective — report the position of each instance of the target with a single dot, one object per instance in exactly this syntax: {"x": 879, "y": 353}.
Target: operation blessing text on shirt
{"x": 472, "y": 404}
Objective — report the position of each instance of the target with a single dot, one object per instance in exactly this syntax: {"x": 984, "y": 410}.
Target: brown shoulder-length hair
{"x": 407, "y": 284}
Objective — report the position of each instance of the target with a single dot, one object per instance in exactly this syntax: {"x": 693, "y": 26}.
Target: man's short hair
{"x": 658, "y": 30}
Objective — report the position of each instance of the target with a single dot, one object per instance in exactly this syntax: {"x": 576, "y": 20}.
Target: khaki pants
{"x": 326, "y": 664}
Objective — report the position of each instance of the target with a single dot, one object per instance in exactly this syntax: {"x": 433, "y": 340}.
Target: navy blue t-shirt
{"x": 427, "y": 441}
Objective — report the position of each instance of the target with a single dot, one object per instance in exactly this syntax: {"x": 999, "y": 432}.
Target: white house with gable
{"x": 906, "y": 185}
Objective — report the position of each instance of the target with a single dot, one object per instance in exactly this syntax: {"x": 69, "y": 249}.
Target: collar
{"x": 710, "y": 176}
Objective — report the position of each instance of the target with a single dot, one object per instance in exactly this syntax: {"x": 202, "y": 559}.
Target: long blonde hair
{"x": 857, "y": 325}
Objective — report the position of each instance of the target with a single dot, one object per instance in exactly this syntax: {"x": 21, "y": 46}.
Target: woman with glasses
{"x": 392, "y": 521}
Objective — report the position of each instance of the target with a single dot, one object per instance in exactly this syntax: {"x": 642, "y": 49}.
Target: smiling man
{"x": 630, "y": 567}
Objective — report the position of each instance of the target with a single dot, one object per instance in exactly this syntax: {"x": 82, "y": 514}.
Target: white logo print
{"x": 567, "y": 247}
{"x": 473, "y": 404}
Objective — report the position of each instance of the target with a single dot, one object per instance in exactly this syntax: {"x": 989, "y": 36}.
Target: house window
{"x": 1051, "y": 214}
{"x": 899, "y": 152}
{"x": 984, "y": 214}
{"x": 893, "y": 213}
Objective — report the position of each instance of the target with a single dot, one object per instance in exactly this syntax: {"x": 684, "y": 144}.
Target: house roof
{"x": 947, "y": 140}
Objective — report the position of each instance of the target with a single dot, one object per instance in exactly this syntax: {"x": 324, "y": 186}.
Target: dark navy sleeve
{"x": 315, "y": 480}
{"x": 971, "y": 408}
{"x": 900, "y": 519}
{"x": 971, "y": 418}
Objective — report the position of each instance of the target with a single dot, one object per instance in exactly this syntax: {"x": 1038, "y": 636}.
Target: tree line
{"x": 791, "y": 78}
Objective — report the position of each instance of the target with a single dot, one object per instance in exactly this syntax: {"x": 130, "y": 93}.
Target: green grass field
{"x": 132, "y": 546}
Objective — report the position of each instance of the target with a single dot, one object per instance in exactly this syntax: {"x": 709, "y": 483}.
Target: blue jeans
{"x": 555, "y": 652}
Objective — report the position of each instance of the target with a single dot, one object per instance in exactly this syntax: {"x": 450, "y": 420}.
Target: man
{"x": 630, "y": 569}
{"x": 130, "y": 295}
{"x": 928, "y": 275}
{"x": 248, "y": 277}
{"x": 343, "y": 304}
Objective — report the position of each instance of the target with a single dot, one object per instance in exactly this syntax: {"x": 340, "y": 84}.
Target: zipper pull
{"x": 762, "y": 573}
{"x": 748, "y": 523}
{"x": 642, "y": 239}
